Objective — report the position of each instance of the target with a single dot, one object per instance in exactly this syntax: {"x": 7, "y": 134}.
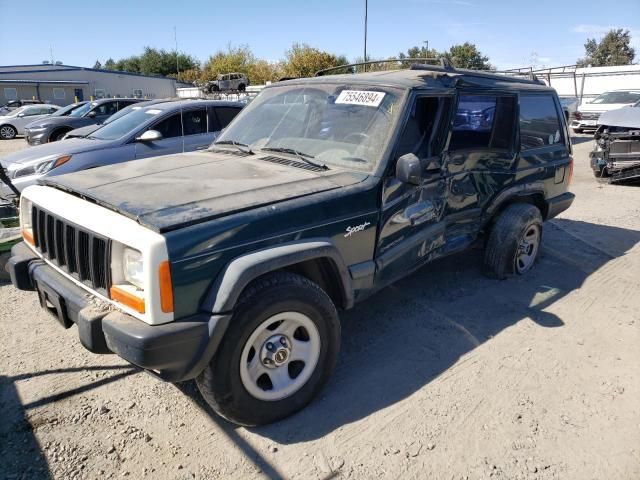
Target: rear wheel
{"x": 242, "y": 87}
{"x": 514, "y": 241}
{"x": 279, "y": 350}
{"x": 8, "y": 132}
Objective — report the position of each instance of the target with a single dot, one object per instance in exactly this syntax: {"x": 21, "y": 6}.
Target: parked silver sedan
{"x": 13, "y": 123}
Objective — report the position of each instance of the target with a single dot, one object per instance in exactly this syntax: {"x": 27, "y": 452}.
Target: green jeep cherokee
{"x": 229, "y": 266}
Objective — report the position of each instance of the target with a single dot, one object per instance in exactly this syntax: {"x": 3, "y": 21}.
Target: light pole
{"x": 426, "y": 42}
{"x": 366, "y": 11}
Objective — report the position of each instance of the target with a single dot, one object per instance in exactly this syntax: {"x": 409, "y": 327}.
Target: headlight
{"x": 25, "y": 220}
{"x": 132, "y": 267}
{"x": 36, "y": 129}
{"x": 41, "y": 167}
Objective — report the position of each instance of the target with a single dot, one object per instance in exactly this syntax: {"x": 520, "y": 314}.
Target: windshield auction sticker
{"x": 360, "y": 97}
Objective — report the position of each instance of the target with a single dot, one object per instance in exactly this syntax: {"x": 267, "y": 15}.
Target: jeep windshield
{"x": 340, "y": 125}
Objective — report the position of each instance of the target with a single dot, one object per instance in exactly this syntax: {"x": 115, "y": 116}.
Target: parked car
{"x": 91, "y": 113}
{"x": 569, "y": 106}
{"x": 89, "y": 129}
{"x": 13, "y": 104}
{"x": 226, "y": 82}
{"x": 586, "y": 118}
{"x": 12, "y": 124}
{"x": 616, "y": 153}
{"x": 229, "y": 266}
{"x": 149, "y": 132}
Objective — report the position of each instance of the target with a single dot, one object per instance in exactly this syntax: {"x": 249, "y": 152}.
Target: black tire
{"x": 8, "y": 132}
{"x": 57, "y": 135}
{"x": 220, "y": 383}
{"x": 213, "y": 88}
{"x": 4, "y": 275}
{"x": 242, "y": 87}
{"x": 502, "y": 248}
{"x": 577, "y": 130}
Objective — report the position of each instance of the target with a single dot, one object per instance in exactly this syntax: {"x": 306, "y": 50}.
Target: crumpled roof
{"x": 626, "y": 117}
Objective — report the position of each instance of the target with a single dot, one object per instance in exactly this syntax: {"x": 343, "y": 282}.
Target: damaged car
{"x": 617, "y": 146}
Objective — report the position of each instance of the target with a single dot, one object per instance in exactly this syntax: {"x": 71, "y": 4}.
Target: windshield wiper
{"x": 301, "y": 155}
{"x": 243, "y": 147}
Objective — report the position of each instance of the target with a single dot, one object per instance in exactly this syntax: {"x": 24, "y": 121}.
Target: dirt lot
{"x": 446, "y": 375}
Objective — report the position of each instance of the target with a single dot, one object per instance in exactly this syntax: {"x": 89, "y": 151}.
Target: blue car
{"x": 154, "y": 130}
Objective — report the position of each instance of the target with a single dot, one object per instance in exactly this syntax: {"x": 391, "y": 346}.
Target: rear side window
{"x": 169, "y": 127}
{"x": 225, "y": 115}
{"x": 195, "y": 122}
{"x": 539, "y": 122}
{"x": 483, "y": 121}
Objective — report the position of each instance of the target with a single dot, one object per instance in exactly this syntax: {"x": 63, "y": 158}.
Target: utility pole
{"x": 366, "y": 8}
{"x": 426, "y": 42}
{"x": 175, "y": 41}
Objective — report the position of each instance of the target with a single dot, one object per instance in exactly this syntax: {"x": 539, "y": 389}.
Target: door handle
{"x": 420, "y": 213}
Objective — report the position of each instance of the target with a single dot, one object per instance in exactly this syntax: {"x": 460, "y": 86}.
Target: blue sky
{"x": 509, "y": 32}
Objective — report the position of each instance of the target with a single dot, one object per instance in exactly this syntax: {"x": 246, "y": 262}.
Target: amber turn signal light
{"x": 126, "y": 298}
{"x": 166, "y": 287}
{"x": 28, "y": 236}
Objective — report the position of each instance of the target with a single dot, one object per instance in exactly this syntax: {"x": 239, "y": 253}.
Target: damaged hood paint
{"x": 627, "y": 117}
{"x": 170, "y": 192}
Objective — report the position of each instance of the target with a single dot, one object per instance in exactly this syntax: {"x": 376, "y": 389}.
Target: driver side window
{"x": 169, "y": 127}
{"x": 420, "y": 134}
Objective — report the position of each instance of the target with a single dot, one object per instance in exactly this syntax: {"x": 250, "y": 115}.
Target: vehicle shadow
{"x": 20, "y": 450}
{"x": 414, "y": 331}
{"x": 581, "y": 139}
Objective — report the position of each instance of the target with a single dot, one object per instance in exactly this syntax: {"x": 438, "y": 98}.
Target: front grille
{"x": 589, "y": 116}
{"x": 81, "y": 253}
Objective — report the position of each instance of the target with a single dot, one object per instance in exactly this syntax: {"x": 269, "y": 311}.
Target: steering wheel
{"x": 362, "y": 136}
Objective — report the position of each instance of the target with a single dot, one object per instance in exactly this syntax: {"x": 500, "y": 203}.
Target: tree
{"x": 97, "y": 65}
{"x": 613, "y": 49}
{"x": 418, "y": 52}
{"x": 468, "y": 56}
{"x": 301, "y": 60}
{"x": 154, "y": 62}
{"x": 110, "y": 64}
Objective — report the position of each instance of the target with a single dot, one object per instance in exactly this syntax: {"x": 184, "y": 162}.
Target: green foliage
{"x": 154, "y": 62}
{"x": 97, "y": 65}
{"x": 301, "y": 60}
{"x": 613, "y": 49}
{"x": 468, "y": 56}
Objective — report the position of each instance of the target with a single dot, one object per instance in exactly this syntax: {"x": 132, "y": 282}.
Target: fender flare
{"x": 225, "y": 291}
{"x": 514, "y": 192}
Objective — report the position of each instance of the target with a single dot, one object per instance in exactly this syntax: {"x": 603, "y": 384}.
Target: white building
{"x": 64, "y": 84}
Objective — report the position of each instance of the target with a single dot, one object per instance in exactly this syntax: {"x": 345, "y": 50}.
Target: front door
{"x": 196, "y": 136}
{"x": 171, "y": 141}
{"x": 412, "y": 224}
{"x": 78, "y": 93}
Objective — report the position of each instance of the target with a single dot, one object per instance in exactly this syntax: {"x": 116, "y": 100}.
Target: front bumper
{"x": 35, "y": 138}
{"x": 174, "y": 351}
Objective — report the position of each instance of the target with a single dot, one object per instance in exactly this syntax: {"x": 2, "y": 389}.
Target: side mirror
{"x": 150, "y": 136}
{"x": 409, "y": 169}
{"x": 20, "y": 115}
{"x": 91, "y": 114}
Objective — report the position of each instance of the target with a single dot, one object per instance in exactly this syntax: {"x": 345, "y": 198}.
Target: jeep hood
{"x": 174, "y": 191}
{"x": 63, "y": 147}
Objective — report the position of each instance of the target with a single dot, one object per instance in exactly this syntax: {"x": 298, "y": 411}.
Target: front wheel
{"x": 279, "y": 350}
{"x": 7, "y": 132}
{"x": 514, "y": 241}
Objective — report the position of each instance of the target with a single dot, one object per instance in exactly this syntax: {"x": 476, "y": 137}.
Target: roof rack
{"x": 444, "y": 64}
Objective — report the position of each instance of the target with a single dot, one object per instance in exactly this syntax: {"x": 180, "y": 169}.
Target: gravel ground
{"x": 445, "y": 375}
